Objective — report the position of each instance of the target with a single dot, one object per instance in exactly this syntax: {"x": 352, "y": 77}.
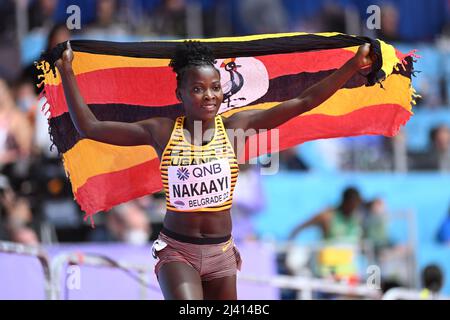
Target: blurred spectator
{"x": 365, "y": 153}
{"x": 332, "y": 18}
{"x": 375, "y": 232}
{"x": 15, "y": 130}
{"x": 290, "y": 160}
{"x": 437, "y": 157}
{"x": 217, "y": 18}
{"x": 432, "y": 281}
{"x": 169, "y": 19}
{"x": 127, "y": 223}
{"x": 374, "y": 224}
{"x": 389, "y": 30}
{"x": 26, "y": 98}
{"x": 57, "y": 34}
{"x": 396, "y": 151}
{"x": 390, "y": 283}
{"x": 262, "y": 16}
{"x": 342, "y": 223}
{"x": 42, "y": 137}
{"x": 107, "y": 22}
{"x": 432, "y": 90}
{"x": 19, "y": 213}
{"x": 342, "y": 231}
{"x": 16, "y": 218}
{"x": 28, "y": 101}
{"x": 24, "y": 235}
{"x": 8, "y": 21}
{"x": 440, "y": 137}
{"x": 248, "y": 201}
{"x": 9, "y": 44}
{"x": 41, "y": 14}
{"x": 443, "y": 235}
{"x": 6, "y": 199}
{"x": 155, "y": 207}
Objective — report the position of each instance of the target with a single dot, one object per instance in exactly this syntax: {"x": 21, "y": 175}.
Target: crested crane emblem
{"x": 235, "y": 83}
{"x": 244, "y": 80}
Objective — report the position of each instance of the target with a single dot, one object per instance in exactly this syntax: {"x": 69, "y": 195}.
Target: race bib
{"x": 201, "y": 185}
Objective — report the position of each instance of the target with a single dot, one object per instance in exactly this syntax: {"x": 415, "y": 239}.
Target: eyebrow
{"x": 201, "y": 82}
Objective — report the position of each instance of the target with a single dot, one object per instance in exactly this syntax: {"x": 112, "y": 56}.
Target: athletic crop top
{"x": 199, "y": 178}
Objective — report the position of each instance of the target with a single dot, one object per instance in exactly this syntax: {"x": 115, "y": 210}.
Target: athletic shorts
{"x": 210, "y": 260}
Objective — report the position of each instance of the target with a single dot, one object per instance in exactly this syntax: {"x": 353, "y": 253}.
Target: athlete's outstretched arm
{"x": 321, "y": 219}
{"x": 309, "y": 99}
{"x": 88, "y": 126}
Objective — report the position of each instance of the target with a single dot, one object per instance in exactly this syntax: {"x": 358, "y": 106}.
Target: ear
{"x": 178, "y": 94}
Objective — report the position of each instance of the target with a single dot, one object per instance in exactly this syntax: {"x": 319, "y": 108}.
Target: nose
{"x": 208, "y": 95}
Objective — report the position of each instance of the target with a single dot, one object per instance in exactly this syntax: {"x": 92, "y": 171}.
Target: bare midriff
{"x": 205, "y": 224}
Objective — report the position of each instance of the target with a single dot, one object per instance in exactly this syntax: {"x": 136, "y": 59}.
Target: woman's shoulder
{"x": 161, "y": 123}
{"x": 161, "y": 129}
{"x": 240, "y": 119}
{"x": 230, "y": 122}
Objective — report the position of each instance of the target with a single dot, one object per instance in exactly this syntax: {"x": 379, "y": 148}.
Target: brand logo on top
{"x": 182, "y": 173}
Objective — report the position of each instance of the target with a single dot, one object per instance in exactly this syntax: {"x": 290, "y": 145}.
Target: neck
{"x": 199, "y": 131}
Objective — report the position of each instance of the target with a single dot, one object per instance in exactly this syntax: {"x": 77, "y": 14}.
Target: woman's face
{"x": 201, "y": 93}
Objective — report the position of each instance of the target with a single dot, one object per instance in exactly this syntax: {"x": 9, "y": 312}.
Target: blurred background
{"x": 363, "y": 212}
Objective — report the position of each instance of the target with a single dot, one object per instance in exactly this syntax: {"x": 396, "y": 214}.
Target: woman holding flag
{"x": 197, "y": 258}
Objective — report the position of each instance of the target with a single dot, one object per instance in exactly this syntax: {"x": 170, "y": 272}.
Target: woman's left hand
{"x": 364, "y": 56}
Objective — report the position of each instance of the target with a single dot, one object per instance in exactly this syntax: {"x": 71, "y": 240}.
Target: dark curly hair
{"x": 191, "y": 54}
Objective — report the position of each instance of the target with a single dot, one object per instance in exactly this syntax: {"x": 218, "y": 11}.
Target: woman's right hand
{"x": 66, "y": 58}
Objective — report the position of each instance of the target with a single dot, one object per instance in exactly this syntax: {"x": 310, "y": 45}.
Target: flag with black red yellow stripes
{"x": 133, "y": 81}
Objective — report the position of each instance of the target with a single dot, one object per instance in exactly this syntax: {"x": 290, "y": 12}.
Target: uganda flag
{"x": 132, "y": 81}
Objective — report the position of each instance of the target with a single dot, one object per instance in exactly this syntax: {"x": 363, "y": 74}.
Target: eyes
{"x": 199, "y": 89}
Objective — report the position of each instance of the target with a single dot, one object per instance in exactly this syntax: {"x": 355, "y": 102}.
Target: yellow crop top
{"x": 199, "y": 178}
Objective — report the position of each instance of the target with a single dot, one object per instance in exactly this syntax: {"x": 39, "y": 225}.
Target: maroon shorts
{"x": 211, "y": 261}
